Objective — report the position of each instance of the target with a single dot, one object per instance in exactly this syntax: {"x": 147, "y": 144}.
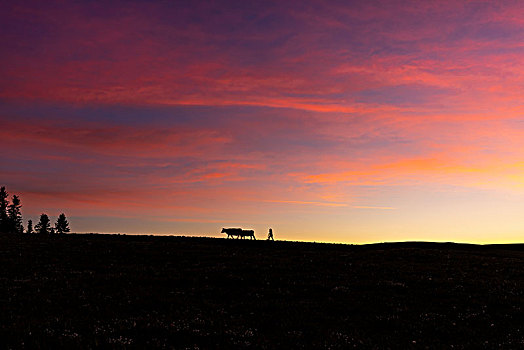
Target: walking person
{"x": 270, "y": 235}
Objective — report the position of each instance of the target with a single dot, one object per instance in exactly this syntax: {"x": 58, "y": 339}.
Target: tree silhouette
{"x": 4, "y": 220}
{"x": 15, "y": 216}
{"x": 62, "y": 226}
{"x": 11, "y": 218}
{"x": 29, "y": 227}
{"x": 43, "y": 226}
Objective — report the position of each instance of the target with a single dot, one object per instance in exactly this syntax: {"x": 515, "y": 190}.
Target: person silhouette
{"x": 270, "y": 235}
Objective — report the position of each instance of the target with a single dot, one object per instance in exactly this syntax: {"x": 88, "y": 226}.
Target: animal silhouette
{"x": 239, "y": 233}
{"x": 231, "y": 232}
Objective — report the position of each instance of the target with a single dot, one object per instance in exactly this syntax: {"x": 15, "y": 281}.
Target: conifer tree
{"x": 29, "y": 227}
{"x": 15, "y": 216}
{"x": 4, "y": 220}
{"x": 62, "y": 226}
{"x": 43, "y": 226}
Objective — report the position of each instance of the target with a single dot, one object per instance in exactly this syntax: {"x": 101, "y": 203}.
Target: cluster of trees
{"x": 11, "y": 218}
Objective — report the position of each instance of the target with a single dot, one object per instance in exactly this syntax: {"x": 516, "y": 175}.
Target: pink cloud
{"x": 317, "y": 106}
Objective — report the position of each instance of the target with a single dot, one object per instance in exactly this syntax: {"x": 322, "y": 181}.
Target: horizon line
{"x": 297, "y": 241}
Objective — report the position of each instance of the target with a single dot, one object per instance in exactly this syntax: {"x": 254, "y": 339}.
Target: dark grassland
{"x": 174, "y": 292}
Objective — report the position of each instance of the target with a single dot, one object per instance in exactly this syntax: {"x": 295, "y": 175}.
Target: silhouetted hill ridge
{"x": 278, "y": 243}
{"x": 114, "y": 291}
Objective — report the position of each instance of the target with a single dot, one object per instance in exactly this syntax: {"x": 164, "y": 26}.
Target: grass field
{"x": 179, "y": 292}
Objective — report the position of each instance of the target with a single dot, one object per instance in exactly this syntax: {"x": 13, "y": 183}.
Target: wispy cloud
{"x": 327, "y": 204}
{"x": 372, "y": 207}
{"x": 170, "y": 108}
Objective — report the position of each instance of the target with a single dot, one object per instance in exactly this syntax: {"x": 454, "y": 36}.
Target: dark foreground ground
{"x": 172, "y": 292}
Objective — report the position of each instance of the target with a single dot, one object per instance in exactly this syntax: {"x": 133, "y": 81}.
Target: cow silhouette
{"x": 232, "y": 232}
{"x": 239, "y": 233}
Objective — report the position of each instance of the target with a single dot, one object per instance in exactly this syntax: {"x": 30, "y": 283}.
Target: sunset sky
{"x": 335, "y": 121}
